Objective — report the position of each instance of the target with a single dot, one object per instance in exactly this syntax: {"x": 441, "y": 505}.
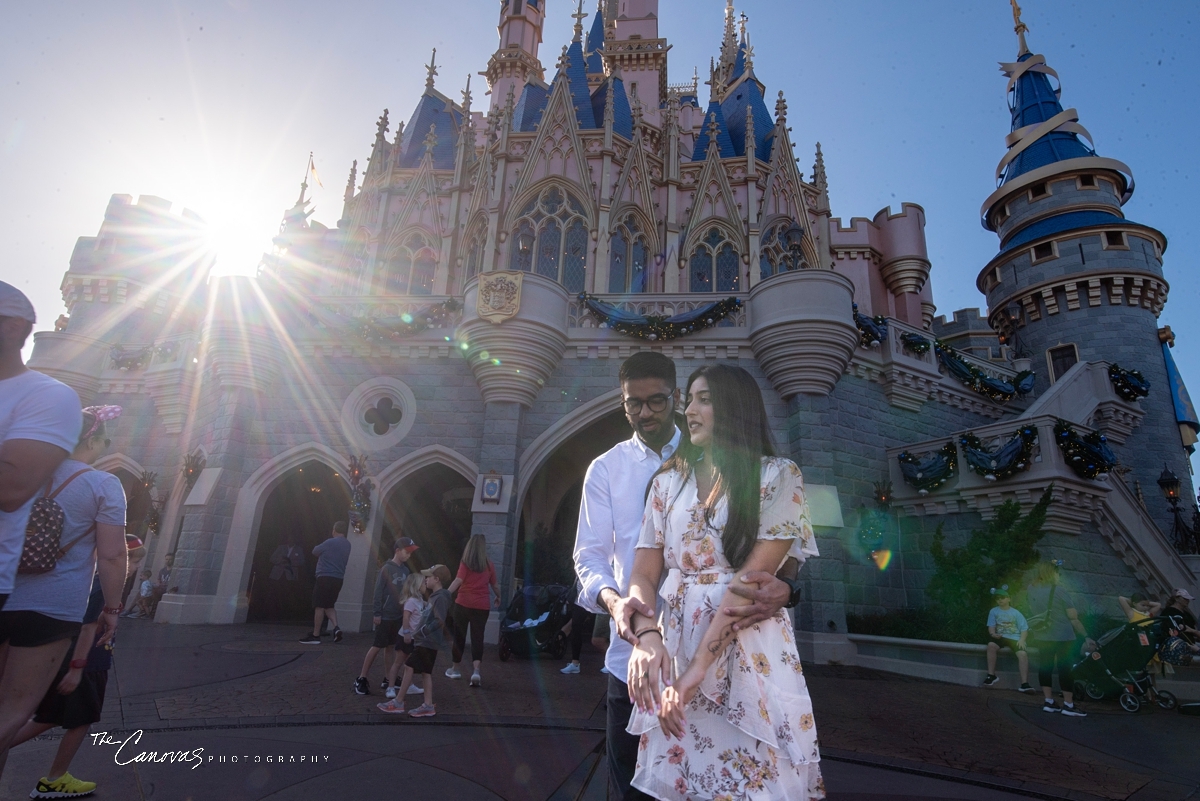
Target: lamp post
{"x": 793, "y": 239}
{"x": 1186, "y": 538}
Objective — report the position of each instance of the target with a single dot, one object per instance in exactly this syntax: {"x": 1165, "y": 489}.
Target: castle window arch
{"x": 550, "y": 238}
{"x": 777, "y": 250}
{"x": 473, "y": 259}
{"x": 629, "y": 255}
{"x": 409, "y": 266}
{"x": 715, "y": 264}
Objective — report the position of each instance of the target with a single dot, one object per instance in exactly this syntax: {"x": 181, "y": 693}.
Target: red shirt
{"x": 473, "y": 592}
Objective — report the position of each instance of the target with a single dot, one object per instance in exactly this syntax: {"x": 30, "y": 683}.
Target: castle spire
{"x": 579, "y": 17}
{"x": 820, "y": 180}
{"x": 466, "y": 98}
{"x": 431, "y": 70}
{"x": 349, "y": 194}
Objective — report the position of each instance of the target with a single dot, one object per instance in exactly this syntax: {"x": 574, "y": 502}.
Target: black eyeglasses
{"x": 657, "y": 403}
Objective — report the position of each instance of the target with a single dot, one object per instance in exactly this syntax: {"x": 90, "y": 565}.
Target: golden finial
{"x": 579, "y": 18}
{"x": 1020, "y": 28}
{"x": 431, "y": 70}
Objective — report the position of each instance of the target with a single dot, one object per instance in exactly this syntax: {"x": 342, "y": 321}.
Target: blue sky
{"x": 216, "y": 105}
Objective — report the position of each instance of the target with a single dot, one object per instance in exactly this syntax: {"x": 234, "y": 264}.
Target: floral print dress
{"x": 750, "y": 730}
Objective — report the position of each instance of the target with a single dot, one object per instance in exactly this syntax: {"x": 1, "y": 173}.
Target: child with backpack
{"x": 428, "y": 639}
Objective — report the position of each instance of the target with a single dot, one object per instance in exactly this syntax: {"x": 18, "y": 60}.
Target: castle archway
{"x": 431, "y": 505}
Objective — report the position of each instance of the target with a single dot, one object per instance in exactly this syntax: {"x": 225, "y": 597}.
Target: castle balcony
{"x": 1105, "y": 501}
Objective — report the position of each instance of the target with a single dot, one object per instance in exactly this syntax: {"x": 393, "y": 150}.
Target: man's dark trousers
{"x": 622, "y": 746}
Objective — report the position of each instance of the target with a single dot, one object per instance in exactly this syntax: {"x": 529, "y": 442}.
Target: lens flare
{"x": 882, "y": 559}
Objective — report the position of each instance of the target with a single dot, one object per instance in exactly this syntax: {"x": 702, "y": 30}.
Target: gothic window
{"x": 715, "y": 265}
{"x": 627, "y": 261}
{"x": 550, "y": 238}
{"x": 774, "y": 253}
{"x": 409, "y": 268}
{"x": 474, "y": 256}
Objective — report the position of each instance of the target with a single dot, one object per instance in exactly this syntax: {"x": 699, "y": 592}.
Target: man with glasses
{"x": 610, "y": 519}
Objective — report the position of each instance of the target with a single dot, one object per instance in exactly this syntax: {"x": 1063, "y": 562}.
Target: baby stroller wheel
{"x": 557, "y": 647}
{"x": 1093, "y": 691}
{"x": 505, "y": 649}
{"x": 1167, "y": 700}
{"x": 1130, "y": 702}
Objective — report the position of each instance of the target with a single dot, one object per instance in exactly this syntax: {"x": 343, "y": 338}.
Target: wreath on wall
{"x": 1013, "y": 457}
{"x": 656, "y": 327}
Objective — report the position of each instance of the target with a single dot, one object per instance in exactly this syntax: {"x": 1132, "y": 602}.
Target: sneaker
{"x": 1049, "y": 706}
{"x": 391, "y": 707}
{"x": 415, "y": 690}
{"x": 476, "y": 681}
{"x": 390, "y": 692}
{"x": 1072, "y": 711}
{"x": 362, "y": 686}
{"x": 311, "y": 639}
{"x": 65, "y": 786}
{"x": 605, "y": 671}
{"x": 451, "y": 673}
{"x": 1025, "y": 688}
{"x": 423, "y": 711}
{"x": 570, "y": 668}
{"x": 337, "y": 635}
{"x": 383, "y": 685}
{"x": 990, "y": 679}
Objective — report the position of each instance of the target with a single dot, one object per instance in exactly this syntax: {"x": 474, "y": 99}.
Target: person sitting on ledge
{"x": 1007, "y": 628}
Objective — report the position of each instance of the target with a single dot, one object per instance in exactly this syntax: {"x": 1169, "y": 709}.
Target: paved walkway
{"x": 236, "y": 699}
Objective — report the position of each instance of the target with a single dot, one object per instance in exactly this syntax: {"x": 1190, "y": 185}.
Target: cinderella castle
{"x": 443, "y": 361}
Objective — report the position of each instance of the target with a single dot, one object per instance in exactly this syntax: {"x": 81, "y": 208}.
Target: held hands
{"x": 649, "y": 672}
{"x": 767, "y": 593}
{"x": 622, "y": 610}
{"x": 674, "y": 700}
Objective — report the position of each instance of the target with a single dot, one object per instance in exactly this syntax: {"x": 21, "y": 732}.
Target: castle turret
{"x": 515, "y": 62}
{"x": 1075, "y": 280}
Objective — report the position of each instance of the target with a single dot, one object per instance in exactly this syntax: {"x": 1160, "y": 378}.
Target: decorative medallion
{"x": 499, "y": 296}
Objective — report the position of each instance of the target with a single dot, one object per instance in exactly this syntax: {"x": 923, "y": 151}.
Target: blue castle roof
{"x": 748, "y": 94}
{"x": 594, "y": 44}
{"x": 1059, "y": 223}
{"x": 724, "y": 143}
{"x": 528, "y": 111}
{"x": 433, "y": 110}
{"x": 576, "y": 71}
{"x": 1033, "y": 102}
{"x": 622, "y": 114}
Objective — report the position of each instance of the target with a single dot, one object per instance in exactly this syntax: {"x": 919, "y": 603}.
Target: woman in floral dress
{"x": 722, "y": 714}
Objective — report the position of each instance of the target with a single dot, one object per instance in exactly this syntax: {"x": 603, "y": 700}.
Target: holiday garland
{"x": 915, "y": 343}
{"x": 930, "y": 470}
{"x": 996, "y": 389}
{"x": 655, "y": 327}
{"x": 1129, "y": 384}
{"x": 1009, "y": 459}
{"x": 133, "y": 359}
{"x": 1089, "y": 456}
{"x": 871, "y": 330}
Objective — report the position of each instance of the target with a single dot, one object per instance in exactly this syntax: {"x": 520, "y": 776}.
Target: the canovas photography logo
{"x": 128, "y": 750}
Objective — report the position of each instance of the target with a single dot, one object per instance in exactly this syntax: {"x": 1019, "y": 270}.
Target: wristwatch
{"x": 795, "y": 585}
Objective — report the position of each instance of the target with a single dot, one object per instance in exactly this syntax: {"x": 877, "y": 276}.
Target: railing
{"x": 896, "y": 327}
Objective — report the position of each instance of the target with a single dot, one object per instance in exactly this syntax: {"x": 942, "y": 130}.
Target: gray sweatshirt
{"x": 432, "y": 631}
{"x": 388, "y": 585}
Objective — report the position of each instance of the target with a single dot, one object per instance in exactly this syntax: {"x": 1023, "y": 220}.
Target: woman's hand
{"x": 70, "y": 681}
{"x": 649, "y": 671}
{"x": 674, "y": 700}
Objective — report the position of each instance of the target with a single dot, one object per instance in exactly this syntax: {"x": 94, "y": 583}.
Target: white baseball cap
{"x": 1181, "y": 593}
{"x": 13, "y": 303}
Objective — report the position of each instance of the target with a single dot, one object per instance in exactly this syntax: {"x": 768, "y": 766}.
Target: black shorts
{"x": 326, "y": 591}
{"x": 402, "y": 646}
{"x": 31, "y": 629}
{"x": 80, "y": 708}
{"x": 385, "y": 633}
{"x": 421, "y": 659}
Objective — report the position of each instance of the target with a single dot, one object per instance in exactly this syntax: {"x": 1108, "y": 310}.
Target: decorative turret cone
{"x": 513, "y": 358}
{"x": 240, "y": 346}
{"x": 802, "y": 330}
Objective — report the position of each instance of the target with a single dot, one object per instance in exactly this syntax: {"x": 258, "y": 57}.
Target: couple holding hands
{"x": 692, "y": 543}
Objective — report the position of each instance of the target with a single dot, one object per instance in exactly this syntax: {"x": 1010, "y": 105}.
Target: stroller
{"x": 1119, "y": 665}
{"x": 533, "y": 622}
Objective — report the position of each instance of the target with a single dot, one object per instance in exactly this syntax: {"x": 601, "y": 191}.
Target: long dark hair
{"x": 740, "y": 440}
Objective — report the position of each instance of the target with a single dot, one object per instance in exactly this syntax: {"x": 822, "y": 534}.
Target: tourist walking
{"x": 610, "y": 519}
{"x": 387, "y": 610}
{"x": 724, "y": 505}
{"x": 413, "y": 595}
{"x": 1054, "y": 628}
{"x": 39, "y": 427}
{"x": 80, "y": 519}
{"x": 332, "y": 556}
{"x": 1007, "y": 628}
{"x": 428, "y": 639}
{"x": 475, "y": 584}
{"x": 579, "y": 624}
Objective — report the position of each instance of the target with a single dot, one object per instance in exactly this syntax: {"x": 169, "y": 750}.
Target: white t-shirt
{"x": 413, "y": 608}
{"x": 32, "y": 406}
{"x": 94, "y": 497}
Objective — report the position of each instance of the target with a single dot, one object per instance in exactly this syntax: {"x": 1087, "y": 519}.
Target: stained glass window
{"x": 551, "y": 238}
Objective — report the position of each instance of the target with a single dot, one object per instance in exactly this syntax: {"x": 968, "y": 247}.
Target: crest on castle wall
{"x": 499, "y": 295}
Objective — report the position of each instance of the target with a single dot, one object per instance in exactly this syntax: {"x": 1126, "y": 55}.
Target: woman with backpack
{"x": 1053, "y": 626}
{"x": 77, "y": 520}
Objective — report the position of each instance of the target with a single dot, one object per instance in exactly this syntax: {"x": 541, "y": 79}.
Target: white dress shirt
{"x": 610, "y": 521}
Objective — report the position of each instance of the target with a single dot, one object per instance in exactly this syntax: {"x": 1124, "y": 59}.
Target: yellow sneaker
{"x": 65, "y": 786}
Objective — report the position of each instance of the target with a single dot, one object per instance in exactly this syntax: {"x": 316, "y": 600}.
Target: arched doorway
{"x": 550, "y": 512}
{"x": 299, "y": 513}
{"x": 432, "y": 506}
